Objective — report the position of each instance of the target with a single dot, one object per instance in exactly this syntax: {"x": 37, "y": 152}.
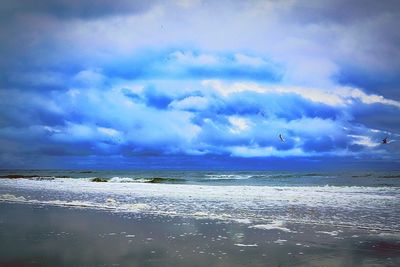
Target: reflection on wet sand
{"x": 52, "y": 236}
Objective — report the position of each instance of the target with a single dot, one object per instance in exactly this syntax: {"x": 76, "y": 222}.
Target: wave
{"x": 390, "y": 176}
{"x": 285, "y": 178}
{"x": 96, "y": 179}
{"x": 362, "y": 175}
{"x": 153, "y": 180}
{"x": 227, "y": 176}
{"x": 296, "y": 175}
{"x": 263, "y": 176}
{"x": 267, "y": 222}
{"x": 32, "y": 177}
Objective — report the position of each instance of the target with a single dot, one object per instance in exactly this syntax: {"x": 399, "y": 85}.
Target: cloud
{"x": 67, "y": 9}
{"x": 133, "y": 78}
{"x": 339, "y": 96}
{"x": 146, "y": 117}
{"x": 191, "y": 103}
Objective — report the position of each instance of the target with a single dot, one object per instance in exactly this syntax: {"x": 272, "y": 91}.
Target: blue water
{"x": 254, "y": 178}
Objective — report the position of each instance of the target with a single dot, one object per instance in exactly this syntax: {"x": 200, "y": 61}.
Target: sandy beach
{"x": 199, "y": 219}
{"x": 37, "y": 235}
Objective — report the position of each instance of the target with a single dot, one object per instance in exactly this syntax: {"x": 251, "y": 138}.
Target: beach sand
{"x": 35, "y": 235}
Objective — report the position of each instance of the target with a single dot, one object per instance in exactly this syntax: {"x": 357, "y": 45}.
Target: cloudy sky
{"x": 122, "y": 84}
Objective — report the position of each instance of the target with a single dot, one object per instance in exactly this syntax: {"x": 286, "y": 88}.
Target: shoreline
{"x": 268, "y": 223}
{"x": 367, "y": 207}
{"x": 65, "y": 236}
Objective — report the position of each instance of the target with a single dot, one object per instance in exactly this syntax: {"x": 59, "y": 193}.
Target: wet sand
{"x": 34, "y": 235}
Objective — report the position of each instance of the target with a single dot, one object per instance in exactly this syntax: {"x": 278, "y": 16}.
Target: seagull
{"x": 385, "y": 141}
{"x": 281, "y": 138}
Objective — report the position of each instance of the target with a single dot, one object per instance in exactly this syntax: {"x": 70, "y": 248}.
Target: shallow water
{"x": 37, "y": 235}
{"x": 364, "y": 200}
{"x": 63, "y": 218}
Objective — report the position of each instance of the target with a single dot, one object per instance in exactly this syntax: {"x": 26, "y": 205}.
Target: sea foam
{"x": 266, "y": 207}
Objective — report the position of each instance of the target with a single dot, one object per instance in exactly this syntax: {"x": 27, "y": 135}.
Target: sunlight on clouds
{"x": 363, "y": 140}
{"x": 309, "y": 93}
{"x": 339, "y": 96}
{"x": 51, "y": 130}
{"x": 108, "y": 131}
{"x": 190, "y": 103}
{"x": 239, "y": 124}
{"x": 358, "y": 94}
{"x": 74, "y": 132}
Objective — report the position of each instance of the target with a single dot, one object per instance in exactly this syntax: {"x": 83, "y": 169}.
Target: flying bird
{"x": 281, "y": 138}
{"x": 385, "y": 141}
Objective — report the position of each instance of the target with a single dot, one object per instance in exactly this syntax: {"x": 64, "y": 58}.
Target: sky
{"x": 192, "y": 84}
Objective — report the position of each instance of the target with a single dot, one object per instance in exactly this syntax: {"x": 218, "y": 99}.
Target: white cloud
{"x": 269, "y": 151}
{"x": 355, "y": 93}
{"x": 73, "y": 93}
{"x": 249, "y": 60}
{"x": 89, "y": 77}
{"x": 338, "y": 96}
{"x": 190, "y": 103}
{"x": 363, "y": 140}
{"x": 189, "y": 58}
{"x": 238, "y": 124}
{"x": 108, "y": 131}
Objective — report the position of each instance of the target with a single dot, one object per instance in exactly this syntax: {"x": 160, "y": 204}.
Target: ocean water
{"x": 259, "y": 199}
{"x": 256, "y": 178}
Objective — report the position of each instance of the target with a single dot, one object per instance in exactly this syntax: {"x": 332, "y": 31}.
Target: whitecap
{"x": 333, "y": 233}
{"x": 10, "y": 197}
{"x": 246, "y": 245}
{"x": 275, "y": 225}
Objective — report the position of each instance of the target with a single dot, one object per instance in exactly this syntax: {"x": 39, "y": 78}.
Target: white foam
{"x": 275, "y": 225}
{"x": 135, "y": 207}
{"x": 227, "y": 176}
{"x": 200, "y": 214}
{"x": 244, "y": 221}
{"x": 245, "y": 204}
{"x": 246, "y": 245}
{"x": 10, "y": 197}
{"x": 333, "y": 233}
{"x": 130, "y": 236}
{"x": 125, "y": 180}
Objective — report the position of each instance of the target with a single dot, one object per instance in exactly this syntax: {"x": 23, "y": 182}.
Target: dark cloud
{"x": 378, "y": 116}
{"x": 156, "y": 99}
{"x": 91, "y": 9}
{"x": 386, "y": 83}
{"x": 234, "y": 73}
{"x": 364, "y": 37}
{"x": 285, "y": 106}
{"x": 342, "y": 11}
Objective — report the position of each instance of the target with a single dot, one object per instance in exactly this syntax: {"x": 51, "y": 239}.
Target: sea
{"x": 259, "y": 199}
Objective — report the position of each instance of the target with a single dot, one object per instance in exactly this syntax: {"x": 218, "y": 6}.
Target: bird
{"x": 385, "y": 141}
{"x": 281, "y": 138}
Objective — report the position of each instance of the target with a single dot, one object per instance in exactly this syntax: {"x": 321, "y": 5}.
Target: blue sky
{"x": 129, "y": 84}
